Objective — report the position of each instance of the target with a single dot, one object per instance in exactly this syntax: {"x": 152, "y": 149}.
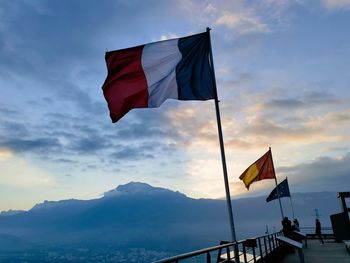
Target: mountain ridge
{"x": 134, "y": 188}
{"x": 140, "y": 215}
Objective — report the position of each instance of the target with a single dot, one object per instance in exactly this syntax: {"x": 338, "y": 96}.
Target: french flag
{"x": 147, "y": 75}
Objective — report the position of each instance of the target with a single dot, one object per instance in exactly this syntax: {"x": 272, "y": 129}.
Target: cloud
{"x": 7, "y": 112}
{"x": 333, "y": 119}
{"x": 168, "y": 36}
{"x": 65, "y": 160}
{"x": 5, "y": 153}
{"x": 14, "y": 128}
{"x": 239, "y": 19}
{"x": 142, "y": 152}
{"x": 336, "y": 4}
{"x": 243, "y": 23}
{"x": 272, "y": 119}
{"x": 275, "y": 117}
{"x": 323, "y": 173}
{"x": 53, "y": 110}
{"x": 285, "y": 98}
{"x": 263, "y": 127}
{"x": 205, "y": 177}
{"x": 194, "y": 125}
{"x": 39, "y": 145}
{"x": 21, "y": 173}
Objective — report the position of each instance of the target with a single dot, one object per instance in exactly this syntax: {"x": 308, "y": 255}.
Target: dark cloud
{"x": 48, "y": 35}
{"x": 52, "y": 59}
{"x": 7, "y": 112}
{"x": 130, "y": 154}
{"x": 285, "y": 103}
{"x": 68, "y": 91}
{"x": 40, "y": 145}
{"x": 141, "y": 130}
{"x": 14, "y": 129}
{"x": 324, "y": 173}
{"x": 65, "y": 160}
{"x": 88, "y": 145}
{"x": 265, "y": 127}
{"x": 307, "y": 100}
{"x": 238, "y": 80}
{"x": 319, "y": 97}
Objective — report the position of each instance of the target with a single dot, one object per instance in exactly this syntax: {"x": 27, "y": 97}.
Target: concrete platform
{"x": 329, "y": 252}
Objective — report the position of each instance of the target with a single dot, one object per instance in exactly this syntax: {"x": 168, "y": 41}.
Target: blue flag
{"x": 283, "y": 190}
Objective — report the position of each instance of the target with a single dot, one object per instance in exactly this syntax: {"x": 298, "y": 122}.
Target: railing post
{"x": 208, "y": 257}
{"x": 270, "y": 243}
{"x": 260, "y": 251}
{"x": 254, "y": 256}
{"x": 266, "y": 252}
{"x": 244, "y": 253}
{"x": 273, "y": 242}
{"x": 228, "y": 253}
{"x": 236, "y": 252}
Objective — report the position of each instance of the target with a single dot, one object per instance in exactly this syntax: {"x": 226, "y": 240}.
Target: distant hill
{"x": 139, "y": 215}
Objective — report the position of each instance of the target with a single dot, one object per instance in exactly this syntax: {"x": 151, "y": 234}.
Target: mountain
{"x": 133, "y": 188}
{"x": 137, "y": 215}
{"x": 11, "y": 212}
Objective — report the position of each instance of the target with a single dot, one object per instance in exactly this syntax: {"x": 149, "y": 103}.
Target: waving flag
{"x": 147, "y": 75}
{"x": 260, "y": 170}
{"x": 283, "y": 191}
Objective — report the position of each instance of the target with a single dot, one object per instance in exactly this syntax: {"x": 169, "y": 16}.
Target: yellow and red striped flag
{"x": 259, "y": 170}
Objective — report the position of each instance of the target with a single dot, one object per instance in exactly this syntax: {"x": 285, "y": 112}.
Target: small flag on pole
{"x": 147, "y": 75}
{"x": 283, "y": 191}
{"x": 260, "y": 170}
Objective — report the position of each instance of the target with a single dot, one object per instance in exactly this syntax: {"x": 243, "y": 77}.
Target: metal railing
{"x": 327, "y": 232}
{"x": 256, "y": 249}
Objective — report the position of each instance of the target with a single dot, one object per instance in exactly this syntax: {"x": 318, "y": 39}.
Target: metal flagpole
{"x": 291, "y": 203}
{"x": 227, "y": 188}
{"x": 290, "y": 199}
{"x": 223, "y": 158}
{"x": 278, "y": 194}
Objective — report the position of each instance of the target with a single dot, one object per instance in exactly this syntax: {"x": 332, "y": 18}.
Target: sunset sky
{"x": 282, "y": 70}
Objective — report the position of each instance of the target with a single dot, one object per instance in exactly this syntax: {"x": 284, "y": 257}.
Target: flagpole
{"x": 278, "y": 194}
{"x": 227, "y": 188}
{"x": 291, "y": 203}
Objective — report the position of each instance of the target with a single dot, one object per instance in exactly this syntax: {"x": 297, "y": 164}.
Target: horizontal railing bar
{"x": 207, "y": 250}
{"x": 196, "y": 253}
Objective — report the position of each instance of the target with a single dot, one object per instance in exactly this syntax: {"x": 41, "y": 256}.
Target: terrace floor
{"x": 329, "y": 252}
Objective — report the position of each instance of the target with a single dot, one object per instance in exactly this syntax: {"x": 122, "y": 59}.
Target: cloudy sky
{"x": 282, "y": 70}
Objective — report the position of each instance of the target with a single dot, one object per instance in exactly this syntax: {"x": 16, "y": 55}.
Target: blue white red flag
{"x": 147, "y": 75}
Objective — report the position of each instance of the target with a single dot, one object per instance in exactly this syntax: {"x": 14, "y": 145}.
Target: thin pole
{"x": 223, "y": 158}
{"x": 278, "y": 194}
{"x": 227, "y": 188}
{"x": 291, "y": 204}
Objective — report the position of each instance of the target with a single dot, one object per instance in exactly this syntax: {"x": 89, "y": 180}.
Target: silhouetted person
{"x": 287, "y": 227}
{"x": 318, "y": 230}
{"x": 295, "y": 225}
